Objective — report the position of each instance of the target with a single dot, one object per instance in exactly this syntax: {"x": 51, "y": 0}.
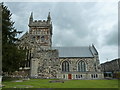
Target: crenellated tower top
{"x": 41, "y": 31}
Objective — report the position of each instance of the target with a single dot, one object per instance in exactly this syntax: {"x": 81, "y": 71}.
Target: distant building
{"x": 46, "y": 61}
{"x": 111, "y": 68}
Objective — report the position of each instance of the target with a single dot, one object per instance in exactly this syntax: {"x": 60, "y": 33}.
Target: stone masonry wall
{"x": 45, "y": 64}
{"x": 74, "y": 61}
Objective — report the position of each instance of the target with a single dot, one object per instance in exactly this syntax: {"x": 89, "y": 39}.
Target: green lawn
{"x": 44, "y": 83}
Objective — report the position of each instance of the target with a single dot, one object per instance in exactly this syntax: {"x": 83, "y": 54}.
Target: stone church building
{"x": 45, "y": 61}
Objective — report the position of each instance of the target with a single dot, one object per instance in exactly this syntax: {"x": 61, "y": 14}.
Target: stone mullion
{"x": 80, "y": 67}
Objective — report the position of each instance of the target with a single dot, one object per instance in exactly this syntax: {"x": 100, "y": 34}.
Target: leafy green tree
{"x": 11, "y": 55}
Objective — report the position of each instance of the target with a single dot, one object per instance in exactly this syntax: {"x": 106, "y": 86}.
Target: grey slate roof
{"x": 74, "y": 51}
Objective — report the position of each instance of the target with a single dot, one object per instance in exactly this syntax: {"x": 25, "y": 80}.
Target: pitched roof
{"x": 74, "y": 51}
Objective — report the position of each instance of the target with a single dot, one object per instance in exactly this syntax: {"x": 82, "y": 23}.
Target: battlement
{"x": 40, "y": 23}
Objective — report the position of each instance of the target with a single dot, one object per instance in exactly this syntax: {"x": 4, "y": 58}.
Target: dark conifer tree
{"x": 11, "y": 55}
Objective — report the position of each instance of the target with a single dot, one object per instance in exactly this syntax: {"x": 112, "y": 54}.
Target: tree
{"x": 11, "y": 55}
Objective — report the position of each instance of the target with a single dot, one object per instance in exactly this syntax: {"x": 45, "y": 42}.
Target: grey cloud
{"x": 69, "y": 17}
{"x": 112, "y": 37}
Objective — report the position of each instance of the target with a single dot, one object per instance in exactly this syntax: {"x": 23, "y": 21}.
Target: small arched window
{"x": 65, "y": 66}
{"x": 81, "y": 66}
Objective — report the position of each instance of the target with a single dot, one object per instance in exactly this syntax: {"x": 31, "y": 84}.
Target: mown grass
{"x": 44, "y": 83}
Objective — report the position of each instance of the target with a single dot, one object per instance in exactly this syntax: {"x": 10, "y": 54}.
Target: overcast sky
{"x": 75, "y": 23}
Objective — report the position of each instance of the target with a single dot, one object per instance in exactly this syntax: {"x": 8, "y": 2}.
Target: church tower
{"x": 41, "y": 32}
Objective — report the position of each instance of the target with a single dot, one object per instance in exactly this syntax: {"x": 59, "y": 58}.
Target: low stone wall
{"x": 10, "y": 78}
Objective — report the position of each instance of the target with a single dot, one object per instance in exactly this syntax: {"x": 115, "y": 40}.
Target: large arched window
{"x": 65, "y": 66}
{"x": 81, "y": 66}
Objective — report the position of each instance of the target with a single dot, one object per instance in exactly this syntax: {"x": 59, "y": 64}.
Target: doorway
{"x": 69, "y": 76}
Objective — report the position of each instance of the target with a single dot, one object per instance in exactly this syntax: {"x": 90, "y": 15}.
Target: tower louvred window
{"x": 42, "y": 38}
{"x": 38, "y": 37}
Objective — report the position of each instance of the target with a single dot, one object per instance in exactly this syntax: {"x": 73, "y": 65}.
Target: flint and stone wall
{"x": 74, "y": 61}
{"x": 92, "y": 71}
{"x": 45, "y": 64}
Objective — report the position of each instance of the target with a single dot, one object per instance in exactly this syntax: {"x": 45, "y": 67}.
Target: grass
{"x": 44, "y": 83}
